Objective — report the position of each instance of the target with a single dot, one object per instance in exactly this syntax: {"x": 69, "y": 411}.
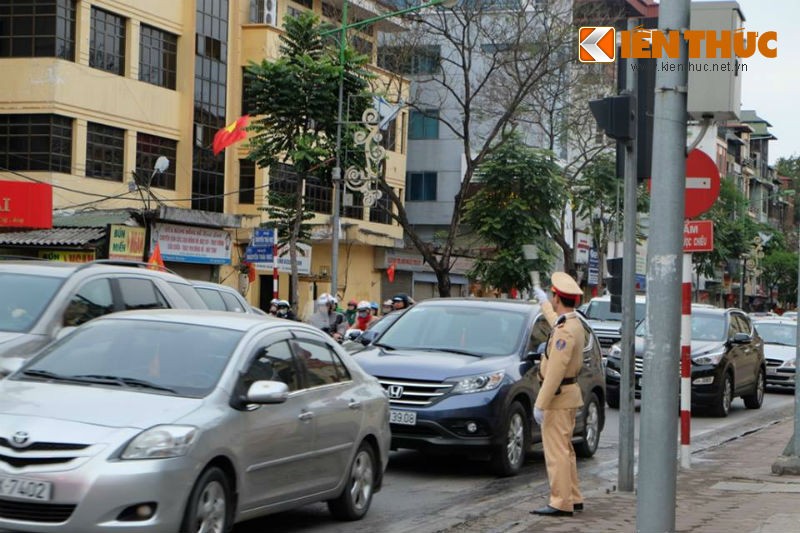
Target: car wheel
{"x": 590, "y": 436}
{"x": 754, "y": 401}
{"x": 353, "y": 503}
{"x": 508, "y": 457}
{"x": 613, "y": 400}
{"x": 723, "y": 405}
{"x": 210, "y": 506}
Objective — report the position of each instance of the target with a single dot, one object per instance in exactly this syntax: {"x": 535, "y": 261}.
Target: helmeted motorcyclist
{"x": 350, "y": 313}
{"x": 364, "y": 316}
{"x": 285, "y": 310}
{"x": 326, "y": 317}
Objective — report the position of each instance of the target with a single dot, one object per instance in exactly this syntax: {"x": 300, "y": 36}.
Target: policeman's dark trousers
{"x": 559, "y": 455}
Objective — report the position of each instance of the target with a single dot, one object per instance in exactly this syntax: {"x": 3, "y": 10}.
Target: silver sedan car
{"x": 187, "y": 421}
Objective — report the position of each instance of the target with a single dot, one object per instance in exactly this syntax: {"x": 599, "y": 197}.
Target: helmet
{"x": 363, "y": 305}
{"x": 283, "y": 303}
{"x": 374, "y": 305}
{"x": 325, "y": 299}
{"x": 274, "y": 301}
{"x": 353, "y": 301}
{"x": 402, "y": 297}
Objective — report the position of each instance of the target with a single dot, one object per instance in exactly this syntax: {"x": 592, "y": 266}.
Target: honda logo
{"x": 395, "y": 392}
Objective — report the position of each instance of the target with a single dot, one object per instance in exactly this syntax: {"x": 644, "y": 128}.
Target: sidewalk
{"x": 729, "y": 488}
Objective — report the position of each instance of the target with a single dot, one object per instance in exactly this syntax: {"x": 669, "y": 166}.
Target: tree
{"x": 514, "y": 207}
{"x": 293, "y": 97}
{"x": 780, "y": 272}
{"x": 476, "y": 65}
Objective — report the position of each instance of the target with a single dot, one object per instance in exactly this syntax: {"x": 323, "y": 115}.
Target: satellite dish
{"x": 162, "y": 164}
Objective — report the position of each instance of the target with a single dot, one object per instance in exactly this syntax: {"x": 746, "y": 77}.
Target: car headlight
{"x": 615, "y": 351}
{"x": 710, "y": 358}
{"x": 479, "y": 383}
{"x": 790, "y": 363}
{"x": 160, "y": 442}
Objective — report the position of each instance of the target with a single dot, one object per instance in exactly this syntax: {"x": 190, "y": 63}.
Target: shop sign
{"x": 26, "y": 205}
{"x": 125, "y": 242}
{"x": 192, "y": 244}
{"x": 285, "y": 262}
{"x": 68, "y": 256}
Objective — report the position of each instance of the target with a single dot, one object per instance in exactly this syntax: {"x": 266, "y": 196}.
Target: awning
{"x": 53, "y": 237}
{"x": 430, "y": 277}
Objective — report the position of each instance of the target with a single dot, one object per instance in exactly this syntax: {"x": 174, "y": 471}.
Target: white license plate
{"x": 25, "y": 489}
{"x": 404, "y": 418}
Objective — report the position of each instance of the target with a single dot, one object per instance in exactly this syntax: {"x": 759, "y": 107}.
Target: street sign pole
{"x": 658, "y": 440}
{"x": 627, "y": 405}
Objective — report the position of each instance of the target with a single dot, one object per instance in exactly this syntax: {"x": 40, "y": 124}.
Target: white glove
{"x": 540, "y": 294}
{"x": 538, "y": 414}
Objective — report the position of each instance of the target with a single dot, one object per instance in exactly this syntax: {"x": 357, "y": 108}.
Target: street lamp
{"x": 337, "y": 170}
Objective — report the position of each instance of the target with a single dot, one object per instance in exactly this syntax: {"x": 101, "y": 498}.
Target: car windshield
{"x": 152, "y": 356}
{"x": 704, "y": 327}
{"x": 23, "y": 298}
{"x": 601, "y": 310}
{"x": 189, "y": 294}
{"x": 471, "y": 330}
{"x": 785, "y": 334}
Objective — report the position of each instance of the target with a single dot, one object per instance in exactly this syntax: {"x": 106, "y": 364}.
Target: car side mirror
{"x": 264, "y": 392}
{"x": 741, "y": 338}
{"x": 536, "y": 355}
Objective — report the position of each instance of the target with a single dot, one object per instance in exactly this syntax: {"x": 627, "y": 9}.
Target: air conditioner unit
{"x": 270, "y": 12}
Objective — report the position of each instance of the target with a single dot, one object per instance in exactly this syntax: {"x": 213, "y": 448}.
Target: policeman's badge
{"x": 561, "y": 344}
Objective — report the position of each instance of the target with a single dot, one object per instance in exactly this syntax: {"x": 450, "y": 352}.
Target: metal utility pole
{"x": 796, "y": 363}
{"x": 627, "y": 399}
{"x": 658, "y": 440}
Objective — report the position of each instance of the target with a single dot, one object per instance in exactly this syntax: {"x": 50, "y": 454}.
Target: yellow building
{"x": 103, "y": 88}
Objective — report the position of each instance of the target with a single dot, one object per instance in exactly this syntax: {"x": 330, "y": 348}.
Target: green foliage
{"x": 789, "y": 166}
{"x": 282, "y": 212}
{"x": 520, "y": 195}
{"x": 780, "y": 270}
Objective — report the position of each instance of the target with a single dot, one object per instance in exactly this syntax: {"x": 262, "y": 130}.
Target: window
{"x": 305, "y": 3}
{"x": 148, "y": 149}
{"x": 140, "y": 294}
{"x": 36, "y": 142}
{"x": 322, "y": 366}
{"x": 362, "y": 46}
{"x": 274, "y": 363}
{"x": 104, "y": 152}
{"x": 231, "y": 303}
{"x": 37, "y": 28}
{"x": 403, "y": 60}
{"x": 319, "y": 195}
{"x": 424, "y": 124}
{"x": 389, "y": 135}
{"x": 247, "y": 181}
{"x": 381, "y": 212}
{"x": 248, "y": 105}
{"x": 94, "y": 299}
{"x": 421, "y": 186}
{"x": 212, "y": 298}
{"x": 282, "y": 179}
{"x": 158, "y": 57}
{"x": 356, "y": 209}
{"x": 107, "y": 42}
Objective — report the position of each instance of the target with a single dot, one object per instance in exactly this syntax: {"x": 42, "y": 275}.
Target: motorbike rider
{"x": 350, "y": 314}
{"x": 284, "y": 310}
{"x": 273, "y": 307}
{"x": 326, "y": 317}
{"x": 401, "y": 301}
{"x": 364, "y": 316}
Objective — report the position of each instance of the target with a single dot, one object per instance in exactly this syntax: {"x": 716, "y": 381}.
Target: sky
{"x": 772, "y": 86}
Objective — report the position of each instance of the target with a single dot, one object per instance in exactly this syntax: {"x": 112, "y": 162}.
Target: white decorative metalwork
{"x": 365, "y": 180}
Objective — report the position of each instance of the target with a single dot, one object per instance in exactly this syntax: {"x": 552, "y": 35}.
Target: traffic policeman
{"x": 559, "y": 394}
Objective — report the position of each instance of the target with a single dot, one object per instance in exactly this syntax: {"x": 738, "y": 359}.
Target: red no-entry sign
{"x": 698, "y": 236}
{"x": 702, "y": 183}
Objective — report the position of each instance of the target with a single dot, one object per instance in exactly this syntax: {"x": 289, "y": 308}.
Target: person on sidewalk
{"x": 559, "y": 394}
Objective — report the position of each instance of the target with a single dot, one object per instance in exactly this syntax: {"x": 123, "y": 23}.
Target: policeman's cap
{"x": 564, "y": 285}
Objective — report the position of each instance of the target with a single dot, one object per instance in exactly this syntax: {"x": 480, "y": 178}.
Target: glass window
{"x": 94, "y": 299}
{"x": 212, "y": 298}
{"x": 381, "y": 212}
{"x": 172, "y": 358}
{"x": 107, "y": 42}
{"x": 37, "y": 28}
{"x": 148, "y": 149}
{"x": 158, "y": 57}
{"x": 189, "y": 294}
{"x": 140, "y": 294}
{"x": 231, "y": 303}
{"x": 421, "y": 186}
{"x": 321, "y": 365}
{"x": 247, "y": 181}
{"x": 410, "y": 60}
{"x": 23, "y": 298}
{"x": 774, "y": 333}
{"x": 36, "y": 142}
{"x": 389, "y": 135}
{"x": 424, "y": 124}
{"x": 105, "y": 151}
{"x": 601, "y": 310}
{"x": 274, "y": 363}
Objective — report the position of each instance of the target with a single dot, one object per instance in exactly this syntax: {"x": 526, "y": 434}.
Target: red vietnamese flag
{"x": 390, "y": 271}
{"x": 252, "y": 274}
{"x": 155, "y": 261}
{"x": 232, "y": 133}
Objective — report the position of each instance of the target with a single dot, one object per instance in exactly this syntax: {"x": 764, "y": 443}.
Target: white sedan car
{"x": 780, "y": 349}
{"x": 187, "y": 421}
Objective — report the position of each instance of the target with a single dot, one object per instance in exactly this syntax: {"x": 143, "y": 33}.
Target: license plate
{"x": 404, "y": 418}
{"x": 25, "y": 489}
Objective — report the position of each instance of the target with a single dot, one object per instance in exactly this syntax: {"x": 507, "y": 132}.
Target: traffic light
{"x": 615, "y": 115}
{"x": 614, "y": 283}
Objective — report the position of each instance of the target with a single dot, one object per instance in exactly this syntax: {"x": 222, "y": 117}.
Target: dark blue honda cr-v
{"x": 461, "y": 377}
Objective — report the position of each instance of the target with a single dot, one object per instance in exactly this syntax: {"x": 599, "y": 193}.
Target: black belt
{"x": 569, "y": 381}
